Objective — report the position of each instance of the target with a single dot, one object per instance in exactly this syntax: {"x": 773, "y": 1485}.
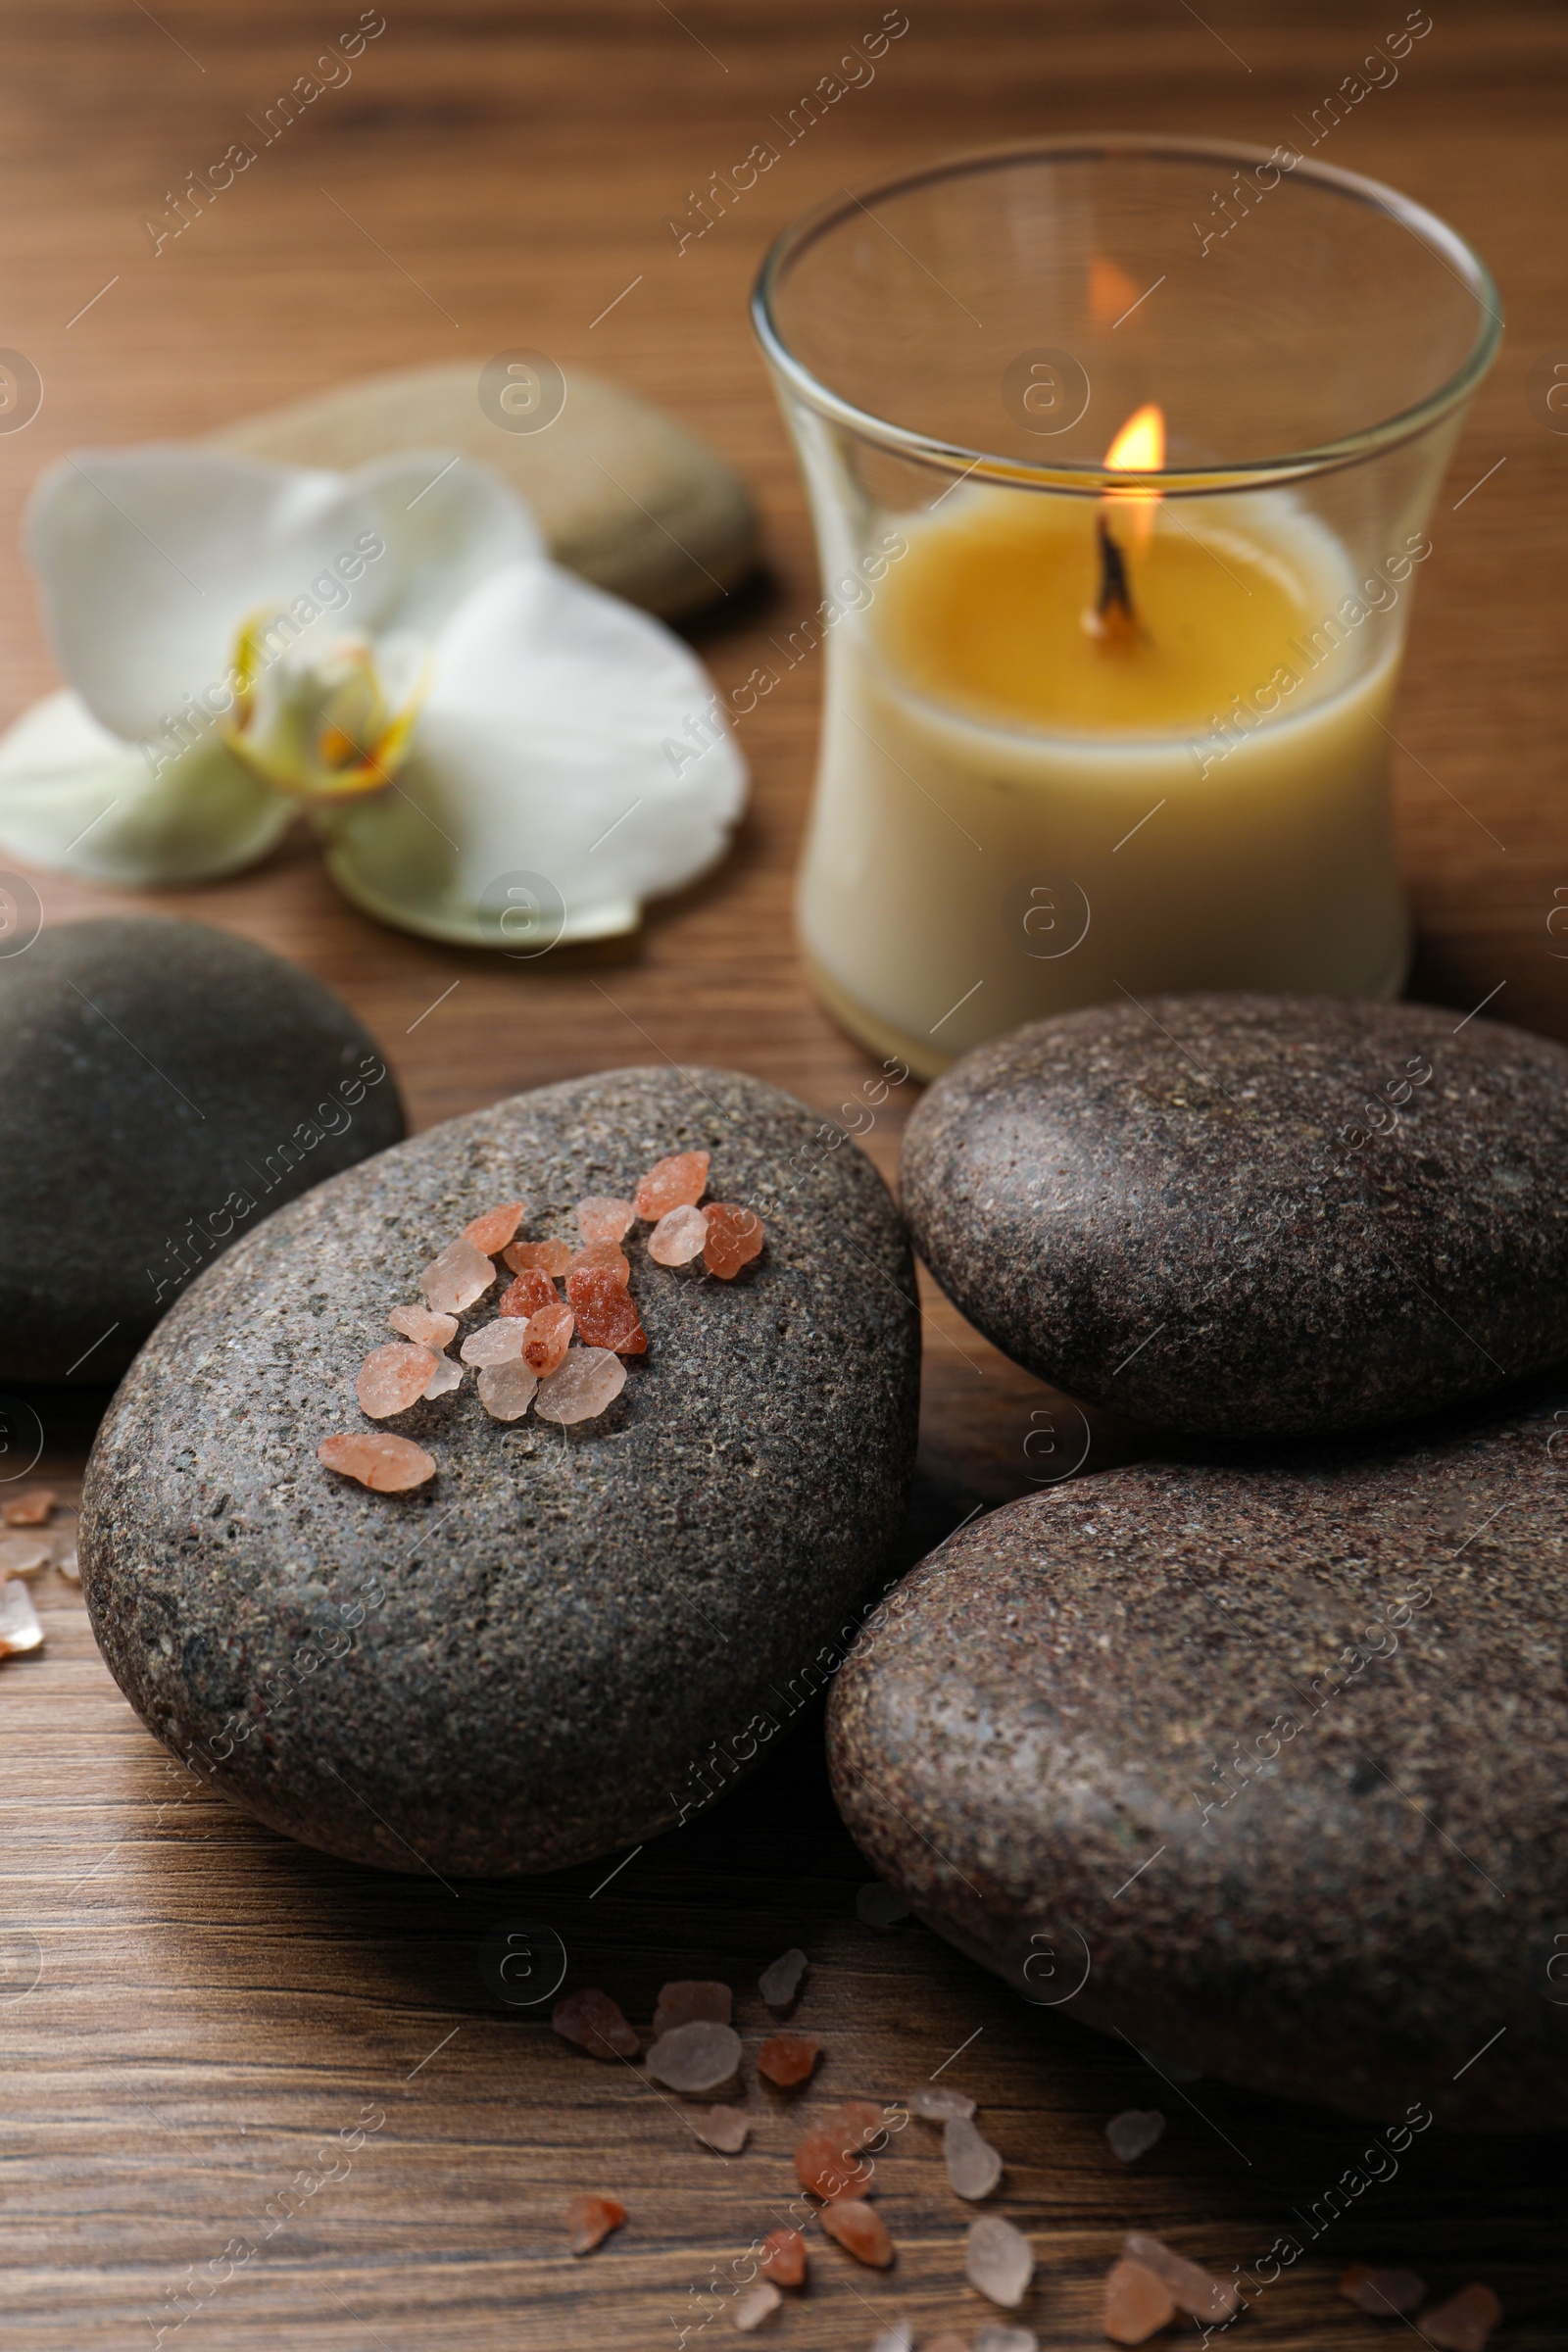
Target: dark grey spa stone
{"x": 1264, "y": 1768}
{"x": 1253, "y": 1215}
{"x": 550, "y": 1650}
{"x": 162, "y": 1088}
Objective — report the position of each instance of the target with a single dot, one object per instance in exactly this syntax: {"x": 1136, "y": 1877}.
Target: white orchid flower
{"x": 493, "y": 750}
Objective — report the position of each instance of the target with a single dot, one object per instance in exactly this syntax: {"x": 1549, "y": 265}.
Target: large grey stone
{"x": 1251, "y": 1215}
{"x": 163, "y": 1087}
{"x": 1264, "y": 1768}
{"x": 548, "y": 1651}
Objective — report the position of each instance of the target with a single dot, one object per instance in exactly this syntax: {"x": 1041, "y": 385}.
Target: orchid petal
{"x": 152, "y": 560}
{"x": 76, "y": 797}
{"x": 567, "y": 743}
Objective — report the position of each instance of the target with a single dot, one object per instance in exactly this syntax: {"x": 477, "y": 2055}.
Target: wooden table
{"x": 212, "y": 2001}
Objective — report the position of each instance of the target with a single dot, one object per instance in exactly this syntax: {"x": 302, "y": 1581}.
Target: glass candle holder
{"x": 1121, "y": 453}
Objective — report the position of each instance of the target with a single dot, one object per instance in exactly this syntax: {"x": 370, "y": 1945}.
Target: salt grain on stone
{"x": 496, "y": 1342}
{"x": 1134, "y": 2132}
{"x": 1464, "y": 2323}
{"x": 24, "y": 1555}
{"x": 605, "y": 1314}
{"x": 546, "y": 1338}
{"x": 602, "y": 1219}
{"x": 735, "y": 1235}
{"x": 507, "y": 1389}
{"x": 678, "y": 1182}
{"x": 998, "y": 2259}
{"x": 417, "y": 1323}
{"x": 527, "y": 1294}
{"x": 390, "y": 1465}
{"x": 32, "y": 1509}
{"x": 696, "y": 2060}
{"x": 722, "y": 2127}
{"x": 452, "y": 1282}
{"x": 974, "y": 2166}
{"x": 1386, "y": 2294}
{"x": 1138, "y": 2304}
{"x": 19, "y": 1629}
{"x": 678, "y": 1238}
{"x": 595, "y": 2023}
{"x": 1199, "y": 2296}
{"x": 392, "y": 1378}
{"x": 588, "y": 1380}
{"x": 688, "y": 2000}
{"x": 757, "y": 2304}
{"x": 604, "y": 1258}
{"x": 544, "y": 1257}
{"x": 447, "y": 1376}
{"x": 780, "y": 1981}
{"x": 935, "y": 2106}
{"x": 494, "y": 1230}
{"x": 860, "y": 2231}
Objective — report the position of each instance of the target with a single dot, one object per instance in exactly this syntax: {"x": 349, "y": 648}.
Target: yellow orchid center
{"x": 320, "y": 720}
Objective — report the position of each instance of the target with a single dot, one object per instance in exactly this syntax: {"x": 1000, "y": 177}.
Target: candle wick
{"x": 1113, "y": 621}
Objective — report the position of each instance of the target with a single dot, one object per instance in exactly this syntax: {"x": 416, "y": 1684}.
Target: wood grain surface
{"x": 189, "y": 2006}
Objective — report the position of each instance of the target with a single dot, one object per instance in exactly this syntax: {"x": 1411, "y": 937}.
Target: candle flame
{"x": 1139, "y": 446}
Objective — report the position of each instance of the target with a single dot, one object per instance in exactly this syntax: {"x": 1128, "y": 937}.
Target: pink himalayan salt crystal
{"x": 595, "y": 2023}
{"x": 935, "y": 2106}
{"x": 32, "y": 1509}
{"x": 543, "y": 1257}
{"x": 698, "y": 2059}
{"x": 447, "y": 1376}
{"x": 492, "y": 1231}
{"x": 546, "y": 1338}
{"x": 590, "y": 2220}
{"x": 788, "y": 2058}
{"x": 19, "y": 1629}
{"x": 25, "y": 1556}
{"x": 780, "y": 1980}
{"x": 496, "y": 1343}
{"x": 606, "y": 1317}
{"x": 1197, "y": 2293}
{"x": 678, "y": 1182}
{"x": 392, "y": 1378}
{"x": 1134, "y": 2132}
{"x": 784, "y": 2257}
{"x": 678, "y": 1238}
{"x": 689, "y": 2001}
{"x": 860, "y": 2231}
{"x": 390, "y": 1465}
{"x": 735, "y": 1236}
{"x": 507, "y": 1389}
{"x": 998, "y": 2259}
{"x": 1465, "y": 2321}
{"x": 602, "y": 1219}
{"x": 417, "y": 1323}
{"x": 601, "y": 1258}
{"x": 1385, "y": 2294}
{"x": 757, "y": 2304}
{"x": 974, "y": 2166}
{"x": 722, "y": 2127}
{"x": 527, "y": 1294}
{"x": 589, "y": 1379}
{"x": 829, "y": 2164}
{"x": 452, "y": 1281}
{"x": 1138, "y": 2305}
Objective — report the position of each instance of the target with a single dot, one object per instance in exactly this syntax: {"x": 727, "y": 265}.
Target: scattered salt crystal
{"x": 757, "y": 2304}
{"x": 589, "y": 1379}
{"x": 604, "y": 1258}
{"x": 935, "y": 2106}
{"x": 24, "y": 1555}
{"x": 545, "y": 1257}
{"x": 19, "y": 1629}
{"x": 1199, "y": 2296}
{"x": 492, "y": 1231}
{"x": 998, "y": 2259}
{"x": 69, "y": 1566}
{"x": 452, "y": 1281}
{"x": 496, "y": 1342}
{"x": 974, "y": 2166}
{"x": 678, "y": 1182}
{"x": 606, "y": 1317}
{"x": 788, "y": 2058}
{"x": 390, "y": 1465}
{"x": 527, "y": 1294}
{"x": 690, "y": 1999}
{"x": 1384, "y": 2293}
{"x": 417, "y": 1323}
{"x": 1465, "y": 2321}
{"x": 879, "y": 1906}
{"x": 735, "y": 1236}
{"x": 1007, "y": 2339}
{"x": 861, "y": 2122}
{"x": 780, "y": 1981}
{"x": 595, "y": 2023}
{"x": 447, "y": 1376}
{"x": 30, "y": 1510}
{"x": 546, "y": 1338}
{"x": 602, "y": 1219}
{"x": 1134, "y": 2132}
{"x": 392, "y": 1378}
{"x": 722, "y": 2127}
{"x": 784, "y": 2257}
{"x": 698, "y": 2059}
{"x": 678, "y": 1238}
{"x": 860, "y": 2231}
{"x": 590, "y": 2220}
{"x": 507, "y": 1389}
{"x": 829, "y": 2164}
{"x": 1138, "y": 2304}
